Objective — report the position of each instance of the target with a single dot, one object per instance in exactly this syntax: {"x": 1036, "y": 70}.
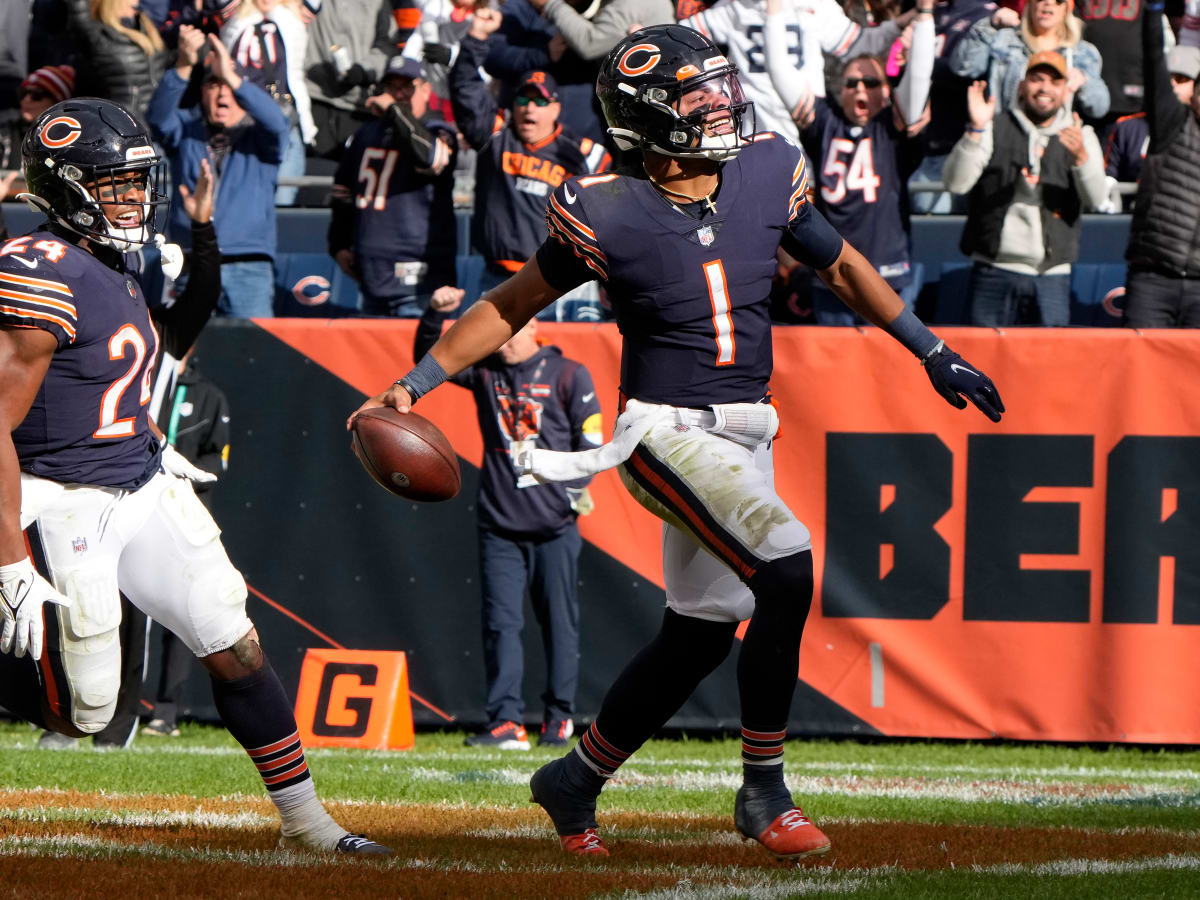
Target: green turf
{"x": 916, "y": 781}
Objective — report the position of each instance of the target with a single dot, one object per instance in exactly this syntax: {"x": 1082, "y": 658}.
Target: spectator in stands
{"x": 1111, "y": 28}
{"x": 434, "y": 43}
{"x": 349, "y": 45}
{"x": 14, "y": 55}
{"x": 121, "y": 54}
{"x": 593, "y": 37}
{"x": 242, "y": 131}
{"x": 814, "y": 28}
{"x": 1129, "y": 137}
{"x": 1163, "y": 287}
{"x": 527, "y": 41}
{"x": 524, "y": 154}
{"x": 50, "y": 41}
{"x": 268, "y": 41}
{"x": 947, "y": 99}
{"x": 1030, "y": 172}
{"x": 39, "y": 91}
{"x": 998, "y": 49}
{"x": 863, "y": 151}
{"x": 528, "y": 537}
{"x": 392, "y": 227}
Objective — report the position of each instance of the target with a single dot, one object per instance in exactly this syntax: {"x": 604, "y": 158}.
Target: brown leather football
{"x": 406, "y": 453}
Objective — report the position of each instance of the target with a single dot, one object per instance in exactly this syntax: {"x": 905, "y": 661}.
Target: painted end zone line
{"x": 332, "y": 643}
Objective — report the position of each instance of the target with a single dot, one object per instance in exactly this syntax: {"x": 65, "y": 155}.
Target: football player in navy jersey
{"x": 91, "y": 504}
{"x": 686, "y": 243}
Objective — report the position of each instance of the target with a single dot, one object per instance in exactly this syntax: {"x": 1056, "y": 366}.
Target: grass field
{"x": 187, "y": 817}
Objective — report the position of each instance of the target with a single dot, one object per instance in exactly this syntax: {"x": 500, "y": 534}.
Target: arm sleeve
{"x": 163, "y": 114}
{"x": 1092, "y": 99}
{"x": 966, "y": 162}
{"x": 48, "y": 304}
{"x": 970, "y": 56}
{"x": 587, "y": 428}
{"x": 912, "y": 94}
{"x": 788, "y": 81}
{"x": 341, "y": 200}
{"x": 875, "y": 41}
{"x": 427, "y": 148}
{"x": 406, "y": 15}
{"x": 271, "y": 125}
{"x": 1089, "y": 178}
{"x": 474, "y": 109}
{"x": 429, "y": 329}
{"x": 1164, "y": 113}
{"x": 593, "y": 38}
{"x": 516, "y": 48}
{"x": 574, "y": 256}
{"x": 181, "y": 322}
{"x": 810, "y": 238}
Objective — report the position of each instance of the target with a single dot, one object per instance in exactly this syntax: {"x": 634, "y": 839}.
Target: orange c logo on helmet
{"x": 631, "y": 70}
{"x": 65, "y": 138}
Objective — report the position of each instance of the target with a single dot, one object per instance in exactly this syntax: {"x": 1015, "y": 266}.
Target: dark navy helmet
{"x": 669, "y": 89}
{"x": 85, "y": 157}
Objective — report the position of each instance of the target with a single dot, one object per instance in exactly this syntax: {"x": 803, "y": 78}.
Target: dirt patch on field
{"x": 99, "y": 845}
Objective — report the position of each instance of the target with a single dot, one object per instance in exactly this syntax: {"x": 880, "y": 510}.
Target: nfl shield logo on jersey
{"x": 79, "y": 545}
{"x": 705, "y": 235}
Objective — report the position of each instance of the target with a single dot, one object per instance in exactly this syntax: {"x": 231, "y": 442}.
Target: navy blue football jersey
{"x": 403, "y": 210}
{"x": 690, "y": 295}
{"x": 88, "y": 422}
{"x": 862, "y": 176}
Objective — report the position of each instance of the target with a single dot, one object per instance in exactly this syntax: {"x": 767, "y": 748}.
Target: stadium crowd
{"x": 409, "y": 114}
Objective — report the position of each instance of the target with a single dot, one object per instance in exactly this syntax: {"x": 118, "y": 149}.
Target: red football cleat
{"x": 586, "y": 844}
{"x": 789, "y": 835}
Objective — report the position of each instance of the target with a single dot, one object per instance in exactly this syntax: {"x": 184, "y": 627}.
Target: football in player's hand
{"x": 405, "y": 453}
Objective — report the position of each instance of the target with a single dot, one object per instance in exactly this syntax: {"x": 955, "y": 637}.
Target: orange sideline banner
{"x": 1035, "y": 579}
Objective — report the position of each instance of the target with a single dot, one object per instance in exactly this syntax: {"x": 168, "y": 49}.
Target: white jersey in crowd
{"x": 441, "y": 23}
{"x": 813, "y": 26}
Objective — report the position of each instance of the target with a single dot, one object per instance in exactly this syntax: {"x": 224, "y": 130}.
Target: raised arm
{"x": 912, "y": 94}
{"x": 789, "y": 82}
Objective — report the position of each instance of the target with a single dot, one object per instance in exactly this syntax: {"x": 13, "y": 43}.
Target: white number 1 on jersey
{"x": 718, "y": 294}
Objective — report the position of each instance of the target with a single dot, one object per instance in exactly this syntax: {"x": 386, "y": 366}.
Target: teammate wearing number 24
{"x": 686, "y": 245}
{"x": 91, "y": 504}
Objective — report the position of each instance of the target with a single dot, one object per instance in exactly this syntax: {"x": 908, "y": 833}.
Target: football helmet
{"x": 664, "y": 88}
{"x": 85, "y": 157}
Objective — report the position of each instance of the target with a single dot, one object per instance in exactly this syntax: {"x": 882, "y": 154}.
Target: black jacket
{"x": 1165, "y": 233}
{"x": 113, "y": 66}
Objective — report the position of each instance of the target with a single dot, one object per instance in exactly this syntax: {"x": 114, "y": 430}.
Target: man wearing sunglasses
{"x": 40, "y": 90}
{"x": 524, "y": 154}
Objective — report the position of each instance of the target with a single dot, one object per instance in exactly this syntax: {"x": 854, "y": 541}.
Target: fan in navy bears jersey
{"x": 524, "y": 154}
{"x": 686, "y": 243}
{"x": 392, "y": 227}
{"x": 864, "y": 148}
{"x": 91, "y": 504}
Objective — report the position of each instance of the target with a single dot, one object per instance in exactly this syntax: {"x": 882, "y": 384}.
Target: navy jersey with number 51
{"x": 88, "y": 422}
{"x": 690, "y": 295}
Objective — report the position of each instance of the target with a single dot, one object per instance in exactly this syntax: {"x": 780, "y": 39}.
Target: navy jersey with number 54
{"x": 88, "y": 422}
{"x": 690, "y": 295}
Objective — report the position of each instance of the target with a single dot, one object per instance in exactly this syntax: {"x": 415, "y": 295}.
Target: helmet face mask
{"x": 668, "y": 89}
{"x": 91, "y": 168}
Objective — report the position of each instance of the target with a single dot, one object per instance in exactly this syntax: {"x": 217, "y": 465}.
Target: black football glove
{"x": 954, "y": 378}
{"x": 437, "y": 53}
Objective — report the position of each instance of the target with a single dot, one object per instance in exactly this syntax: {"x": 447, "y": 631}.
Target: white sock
{"x": 303, "y": 817}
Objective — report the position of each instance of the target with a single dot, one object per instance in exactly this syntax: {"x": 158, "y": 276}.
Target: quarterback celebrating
{"x": 686, "y": 245}
{"x": 91, "y": 504}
